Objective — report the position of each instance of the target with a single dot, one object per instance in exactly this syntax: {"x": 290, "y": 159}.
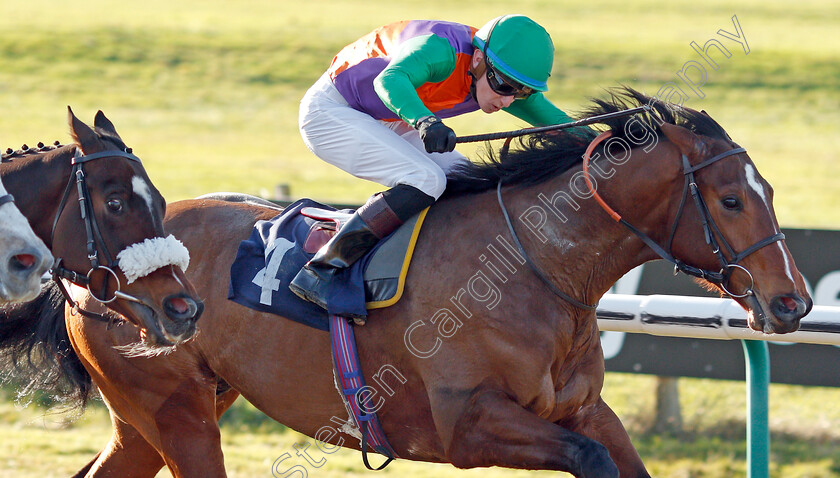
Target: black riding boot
{"x": 381, "y": 215}
{"x": 366, "y": 227}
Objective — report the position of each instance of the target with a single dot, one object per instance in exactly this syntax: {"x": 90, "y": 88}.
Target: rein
{"x": 537, "y": 271}
{"x": 710, "y": 230}
{"x": 94, "y": 238}
{"x": 503, "y": 151}
{"x": 6, "y": 198}
{"x": 542, "y": 129}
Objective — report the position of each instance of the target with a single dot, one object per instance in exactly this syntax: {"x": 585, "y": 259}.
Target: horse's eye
{"x": 115, "y": 205}
{"x": 732, "y": 203}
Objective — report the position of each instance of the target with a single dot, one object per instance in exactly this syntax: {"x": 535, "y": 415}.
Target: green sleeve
{"x": 537, "y": 110}
{"x": 420, "y": 60}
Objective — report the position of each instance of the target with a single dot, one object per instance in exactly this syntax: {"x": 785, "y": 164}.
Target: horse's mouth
{"x": 152, "y": 331}
{"x": 781, "y": 316}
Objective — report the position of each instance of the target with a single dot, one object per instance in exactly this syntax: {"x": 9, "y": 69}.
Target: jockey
{"x": 377, "y": 114}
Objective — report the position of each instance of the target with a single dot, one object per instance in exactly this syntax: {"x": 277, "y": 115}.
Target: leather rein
{"x": 95, "y": 241}
{"x": 711, "y": 231}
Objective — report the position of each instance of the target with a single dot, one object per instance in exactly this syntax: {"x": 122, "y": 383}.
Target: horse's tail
{"x": 35, "y": 345}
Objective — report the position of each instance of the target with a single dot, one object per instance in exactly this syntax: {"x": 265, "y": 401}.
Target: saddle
{"x": 384, "y": 276}
{"x": 276, "y": 250}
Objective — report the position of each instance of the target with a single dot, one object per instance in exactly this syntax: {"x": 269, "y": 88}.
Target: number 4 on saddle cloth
{"x": 277, "y": 249}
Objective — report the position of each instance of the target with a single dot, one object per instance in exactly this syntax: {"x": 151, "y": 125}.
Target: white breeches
{"x": 385, "y": 152}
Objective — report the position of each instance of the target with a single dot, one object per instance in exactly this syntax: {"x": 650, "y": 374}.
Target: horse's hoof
{"x": 595, "y": 462}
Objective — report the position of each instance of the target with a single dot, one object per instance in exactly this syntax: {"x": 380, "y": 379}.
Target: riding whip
{"x": 522, "y": 132}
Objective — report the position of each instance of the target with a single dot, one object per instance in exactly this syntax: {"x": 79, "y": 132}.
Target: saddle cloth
{"x": 276, "y": 250}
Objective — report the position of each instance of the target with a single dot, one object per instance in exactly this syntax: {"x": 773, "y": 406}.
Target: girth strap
{"x": 351, "y": 384}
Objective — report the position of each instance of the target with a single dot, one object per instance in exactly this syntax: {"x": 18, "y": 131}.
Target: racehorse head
{"x": 102, "y": 217}
{"x": 734, "y": 228}
{"x": 720, "y": 223}
{"x": 684, "y": 191}
{"x": 23, "y": 256}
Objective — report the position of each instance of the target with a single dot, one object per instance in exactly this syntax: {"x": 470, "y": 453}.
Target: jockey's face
{"x": 488, "y": 100}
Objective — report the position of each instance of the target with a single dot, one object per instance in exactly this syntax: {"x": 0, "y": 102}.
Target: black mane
{"x": 536, "y": 158}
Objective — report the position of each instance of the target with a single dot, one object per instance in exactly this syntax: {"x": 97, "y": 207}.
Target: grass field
{"x": 206, "y": 92}
{"x": 804, "y": 421}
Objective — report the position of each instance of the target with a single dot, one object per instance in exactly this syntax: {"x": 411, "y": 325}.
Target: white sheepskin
{"x": 141, "y": 259}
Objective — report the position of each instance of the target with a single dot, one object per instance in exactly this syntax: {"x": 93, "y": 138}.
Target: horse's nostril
{"x": 789, "y": 303}
{"x": 22, "y": 262}
{"x": 182, "y": 308}
{"x": 789, "y": 307}
{"x": 178, "y": 305}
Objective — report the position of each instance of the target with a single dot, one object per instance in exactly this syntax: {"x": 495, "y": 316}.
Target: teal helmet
{"x": 519, "y": 48}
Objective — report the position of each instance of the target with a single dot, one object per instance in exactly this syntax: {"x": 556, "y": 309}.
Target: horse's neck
{"x": 37, "y": 182}
{"x": 575, "y": 240}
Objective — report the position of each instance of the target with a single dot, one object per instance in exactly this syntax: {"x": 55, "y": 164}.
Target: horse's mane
{"x": 35, "y": 350}
{"x": 9, "y": 153}
{"x": 536, "y": 158}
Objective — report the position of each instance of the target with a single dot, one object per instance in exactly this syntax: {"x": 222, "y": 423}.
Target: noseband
{"x": 711, "y": 231}
{"x": 94, "y": 237}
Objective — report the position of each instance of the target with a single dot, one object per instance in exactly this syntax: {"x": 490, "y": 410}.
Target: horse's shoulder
{"x": 230, "y": 215}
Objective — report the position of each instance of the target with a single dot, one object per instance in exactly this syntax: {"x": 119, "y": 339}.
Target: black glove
{"x": 436, "y": 136}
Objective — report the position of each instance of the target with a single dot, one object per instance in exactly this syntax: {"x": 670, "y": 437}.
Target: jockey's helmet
{"x": 519, "y": 48}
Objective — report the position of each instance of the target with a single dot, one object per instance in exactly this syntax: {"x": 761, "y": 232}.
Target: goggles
{"x": 505, "y": 86}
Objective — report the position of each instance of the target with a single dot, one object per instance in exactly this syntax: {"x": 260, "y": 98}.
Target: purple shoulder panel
{"x": 458, "y": 35}
{"x": 467, "y": 106}
{"x": 356, "y": 86}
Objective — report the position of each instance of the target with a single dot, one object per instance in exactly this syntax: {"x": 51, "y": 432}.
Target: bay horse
{"x": 480, "y": 363}
{"x": 23, "y": 256}
{"x": 93, "y": 205}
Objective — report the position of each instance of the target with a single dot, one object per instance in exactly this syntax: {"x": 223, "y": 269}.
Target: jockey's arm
{"x": 537, "y": 110}
{"x": 420, "y": 60}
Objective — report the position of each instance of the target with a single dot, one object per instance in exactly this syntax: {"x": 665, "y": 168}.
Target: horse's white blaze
{"x": 175, "y": 276}
{"x": 752, "y": 181}
{"x": 755, "y": 185}
{"x": 788, "y": 271}
{"x": 141, "y": 188}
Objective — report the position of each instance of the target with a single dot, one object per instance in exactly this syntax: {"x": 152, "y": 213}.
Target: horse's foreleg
{"x": 602, "y": 424}
{"x": 127, "y": 455}
{"x": 189, "y": 438}
{"x": 493, "y": 430}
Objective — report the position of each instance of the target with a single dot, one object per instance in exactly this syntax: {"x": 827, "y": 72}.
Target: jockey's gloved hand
{"x": 436, "y": 136}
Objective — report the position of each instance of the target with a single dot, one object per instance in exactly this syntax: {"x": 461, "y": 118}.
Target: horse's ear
{"x": 81, "y": 133}
{"x": 688, "y": 143}
{"x": 104, "y": 123}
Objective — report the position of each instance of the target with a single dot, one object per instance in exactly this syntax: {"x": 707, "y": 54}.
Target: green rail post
{"x": 758, "y": 430}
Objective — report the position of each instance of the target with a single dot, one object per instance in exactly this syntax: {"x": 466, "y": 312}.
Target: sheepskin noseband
{"x": 141, "y": 259}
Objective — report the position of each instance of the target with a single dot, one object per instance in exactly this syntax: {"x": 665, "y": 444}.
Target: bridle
{"x": 95, "y": 241}
{"x": 711, "y": 232}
